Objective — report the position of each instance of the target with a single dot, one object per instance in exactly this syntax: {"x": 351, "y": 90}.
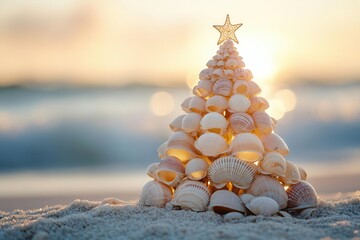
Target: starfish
{"x": 227, "y": 31}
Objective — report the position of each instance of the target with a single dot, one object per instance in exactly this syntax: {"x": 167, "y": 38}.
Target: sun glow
{"x": 162, "y": 103}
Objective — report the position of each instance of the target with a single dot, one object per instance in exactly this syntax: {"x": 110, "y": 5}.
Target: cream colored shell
{"x": 264, "y": 206}
{"x": 254, "y": 88}
{"x": 170, "y": 171}
{"x": 302, "y": 195}
{"x": 273, "y": 163}
{"x": 222, "y": 87}
{"x": 211, "y": 144}
{"x": 258, "y": 104}
{"x": 216, "y": 103}
{"x": 224, "y": 201}
{"x": 197, "y": 104}
{"x": 161, "y": 150}
{"x": 155, "y": 194}
{"x": 175, "y": 125}
{"x": 191, "y": 123}
{"x": 203, "y": 88}
{"x": 214, "y": 122}
{"x": 181, "y": 145}
{"x": 240, "y": 87}
{"x": 263, "y": 122}
{"x": 151, "y": 170}
{"x": 303, "y": 174}
{"x": 247, "y": 147}
{"x": 238, "y": 103}
{"x": 196, "y": 169}
{"x": 292, "y": 174}
{"x": 241, "y": 122}
{"x": 274, "y": 143}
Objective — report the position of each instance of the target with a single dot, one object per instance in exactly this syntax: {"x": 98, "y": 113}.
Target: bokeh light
{"x": 276, "y": 109}
{"x": 162, "y": 103}
{"x": 288, "y": 98}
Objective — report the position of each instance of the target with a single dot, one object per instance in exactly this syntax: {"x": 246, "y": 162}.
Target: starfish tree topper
{"x": 227, "y": 31}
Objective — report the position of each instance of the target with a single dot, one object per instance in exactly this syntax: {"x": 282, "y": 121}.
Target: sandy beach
{"x": 116, "y": 219}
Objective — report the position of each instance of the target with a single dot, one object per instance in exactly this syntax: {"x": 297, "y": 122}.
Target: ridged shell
{"x": 307, "y": 213}
{"x": 211, "y": 63}
{"x": 185, "y": 105}
{"x": 205, "y": 74}
{"x": 216, "y": 103}
{"x": 241, "y": 123}
{"x": 161, "y": 150}
{"x": 229, "y": 74}
{"x": 302, "y": 195}
{"x": 197, "y": 104}
{"x": 254, "y": 88}
{"x": 155, "y": 194}
{"x": 224, "y": 201}
{"x": 240, "y": 74}
{"x": 274, "y": 143}
{"x": 231, "y": 169}
{"x": 191, "y": 123}
{"x": 258, "y": 104}
{"x": 214, "y": 122}
{"x": 264, "y": 206}
{"x": 249, "y": 75}
{"x": 196, "y": 169}
{"x": 240, "y": 87}
{"x": 233, "y": 216}
{"x": 262, "y": 122}
{"x": 192, "y": 195}
{"x": 203, "y": 88}
{"x": 292, "y": 174}
{"x": 303, "y": 174}
{"x": 238, "y": 103}
{"x": 273, "y": 163}
{"x": 247, "y": 147}
{"x": 268, "y": 186}
{"x": 211, "y": 144}
{"x": 240, "y": 63}
{"x": 218, "y": 73}
{"x": 170, "y": 171}
{"x": 231, "y": 63}
{"x": 175, "y": 125}
{"x": 222, "y": 87}
{"x": 151, "y": 170}
{"x": 221, "y": 63}
{"x": 181, "y": 145}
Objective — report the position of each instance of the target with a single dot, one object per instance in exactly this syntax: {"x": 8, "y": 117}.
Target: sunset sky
{"x": 165, "y": 42}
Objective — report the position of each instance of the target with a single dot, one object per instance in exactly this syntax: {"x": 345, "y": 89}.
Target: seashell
{"x": 264, "y": 206}
{"x": 191, "y": 123}
{"x": 249, "y": 75}
{"x": 303, "y": 174}
{"x": 218, "y": 73}
{"x": 241, "y": 122}
{"x": 215, "y": 57}
{"x": 246, "y": 198}
{"x": 274, "y": 143}
{"x": 205, "y": 74}
{"x": 185, "y": 105}
{"x": 240, "y": 74}
{"x": 240, "y": 62}
{"x": 192, "y": 195}
{"x": 214, "y": 122}
{"x": 273, "y": 163}
{"x": 211, "y": 144}
{"x": 161, "y": 150}
{"x": 216, "y": 103}
{"x": 307, "y": 213}
{"x": 226, "y": 55}
{"x": 233, "y": 216}
{"x": 258, "y": 104}
{"x": 274, "y": 122}
{"x": 196, "y": 169}
{"x": 155, "y": 194}
{"x": 197, "y": 104}
{"x": 231, "y": 169}
{"x": 240, "y": 87}
{"x": 224, "y": 201}
{"x": 284, "y": 214}
{"x": 170, "y": 171}
{"x": 292, "y": 174}
{"x": 211, "y": 63}
{"x": 264, "y": 185}
{"x": 231, "y": 63}
{"x": 262, "y": 122}
{"x": 238, "y": 103}
{"x": 151, "y": 170}
{"x": 222, "y": 87}
{"x": 229, "y": 74}
{"x": 301, "y": 195}
{"x": 203, "y": 89}
{"x": 181, "y": 145}
{"x": 175, "y": 125}
{"x": 254, "y": 88}
{"x": 247, "y": 147}
{"x": 221, "y": 63}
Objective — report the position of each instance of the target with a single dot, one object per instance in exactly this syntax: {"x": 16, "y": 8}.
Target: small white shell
{"x": 264, "y": 206}
{"x": 247, "y": 147}
{"x": 214, "y": 122}
{"x": 240, "y": 63}
{"x": 303, "y": 174}
{"x": 262, "y": 122}
{"x": 161, "y": 150}
{"x": 181, "y": 145}
{"x": 155, "y": 194}
{"x": 216, "y": 103}
{"x": 238, "y": 103}
{"x": 273, "y": 163}
{"x": 292, "y": 174}
{"x": 274, "y": 143}
{"x": 205, "y": 74}
{"x": 197, "y": 104}
{"x": 249, "y": 75}
{"x": 170, "y": 171}
{"x": 196, "y": 169}
{"x": 211, "y": 63}
{"x": 221, "y": 63}
{"x": 284, "y": 214}
{"x": 231, "y": 63}
{"x": 240, "y": 87}
{"x": 229, "y": 74}
{"x": 241, "y": 122}
{"x": 185, "y": 105}
{"x": 222, "y": 87}
{"x": 218, "y": 73}
{"x": 246, "y": 198}
{"x": 191, "y": 123}
{"x": 211, "y": 144}
{"x": 307, "y": 213}
{"x": 258, "y": 104}
{"x": 302, "y": 195}
{"x": 240, "y": 74}
{"x": 254, "y": 88}
{"x": 233, "y": 216}
{"x": 224, "y": 201}
{"x": 203, "y": 88}
{"x": 175, "y": 125}
{"x": 151, "y": 170}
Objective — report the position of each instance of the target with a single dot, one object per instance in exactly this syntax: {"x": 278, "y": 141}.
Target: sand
{"x": 116, "y": 219}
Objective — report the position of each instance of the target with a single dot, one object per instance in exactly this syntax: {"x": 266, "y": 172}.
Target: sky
{"x": 78, "y": 42}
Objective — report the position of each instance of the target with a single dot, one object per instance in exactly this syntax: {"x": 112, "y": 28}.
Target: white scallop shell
{"x": 216, "y": 103}
{"x": 224, "y": 201}
{"x": 211, "y": 144}
{"x": 258, "y": 104}
{"x": 221, "y": 63}
{"x": 240, "y": 74}
{"x": 241, "y": 122}
{"x": 205, "y": 74}
{"x": 170, "y": 171}
{"x": 265, "y": 185}
{"x": 231, "y": 63}
{"x": 181, "y": 145}
{"x": 240, "y": 87}
{"x": 151, "y": 170}
{"x": 273, "y": 163}
{"x": 211, "y": 63}
{"x": 191, "y": 123}
{"x": 229, "y": 74}
{"x": 233, "y": 216}
{"x": 238, "y": 103}
{"x": 264, "y": 206}
{"x": 231, "y": 169}
{"x": 254, "y": 88}
{"x": 246, "y": 198}
{"x": 262, "y": 122}
{"x": 197, "y": 104}
{"x": 161, "y": 150}
{"x": 192, "y": 195}
{"x": 274, "y": 143}
{"x": 303, "y": 174}
{"x": 222, "y": 87}
{"x": 218, "y": 73}
{"x": 214, "y": 122}
{"x": 247, "y": 147}
{"x": 196, "y": 169}
{"x": 292, "y": 174}
{"x": 302, "y": 195}
{"x": 155, "y": 194}
{"x": 203, "y": 88}
{"x": 175, "y": 125}
{"x": 185, "y": 105}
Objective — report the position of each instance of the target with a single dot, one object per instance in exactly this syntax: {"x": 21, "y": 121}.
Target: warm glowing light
{"x": 192, "y": 79}
{"x": 276, "y": 109}
{"x": 288, "y": 98}
{"x": 162, "y": 103}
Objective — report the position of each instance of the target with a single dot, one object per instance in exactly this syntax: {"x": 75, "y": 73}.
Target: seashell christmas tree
{"x": 224, "y": 155}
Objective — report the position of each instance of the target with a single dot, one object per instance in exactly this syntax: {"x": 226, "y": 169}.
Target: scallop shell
{"x": 307, "y": 213}
{"x": 221, "y": 63}
{"x": 233, "y": 216}
{"x": 216, "y": 103}
{"x": 264, "y": 206}
{"x": 161, "y": 150}
{"x": 214, "y": 122}
{"x": 254, "y": 88}
{"x": 231, "y": 63}
{"x": 224, "y": 201}
{"x": 240, "y": 87}
{"x": 175, "y": 125}
{"x": 192, "y": 195}
{"x": 274, "y": 143}
{"x": 240, "y": 62}
{"x": 229, "y": 74}
{"x": 247, "y": 147}
{"x": 151, "y": 170}
{"x": 218, "y": 73}
{"x": 181, "y": 145}
{"x": 303, "y": 174}
{"x": 191, "y": 123}
{"x": 246, "y": 198}
{"x": 170, "y": 171}
{"x": 203, "y": 88}
{"x": 292, "y": 174}
{"x": 231, "y": 169}
{"x": 205, "y": 74}
{"x": 302, "y": 195}
{"x": 258, "y": 104}
{"x": 155, "y": 194}
{"x": 241, "y": 123}
{"x": 196, "y": 169}
{"x": 211, "y": 144}
{"x": 273, "y": 163}
{"x": 264, "y": 185}
{"x": 197, "y": 104}
{"x": 249, "y": 75}
{"x": 240, "y": 74}
{"x": 185, "y": 105}
{"x": 211, "y": 63}
{"x": 262, "y": 122}
{"x": 222, "y": 87}
{"x": 238, "y": 103}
